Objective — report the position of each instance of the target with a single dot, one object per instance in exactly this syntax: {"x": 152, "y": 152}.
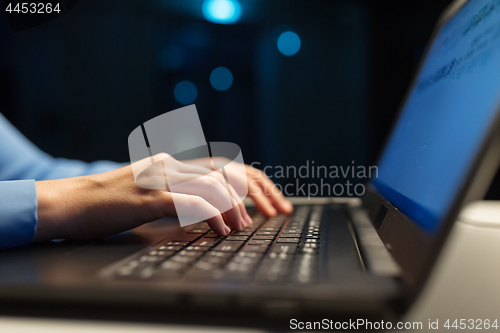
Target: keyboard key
{"x": 288, "y": 240}
{"x": 287, "y": 235}
{"x": 255, "y": 248}
{"x": 228, "y": 246}
{"x": 277, "y": 264}
{"x": 170, "y": 248}
{"x": 196, "y": 248}
{"x": 214, "y": 260}
{"x": 269, "y": 229}
{"x": 311, "y": 245}
{"x": 172, "y": 270}
{"x": 150, "y": 259}
{"x": 205, "y": 266}
{"x": 183, "y": 259}
{"x": 125, "y": 271}
{"x": 181, "y": 243}
{"x": 307, "y": 267}
{"x": 262, "y": 237}
{"x": 206, "y": 242}
{"x": 237, "y": 238}
{"x": 275, "y": 273}
{"x": 195, "y": 254}
{"x": 214, "y": 254}
{"x": 239, "y": 268}
{"x": 146, "y": 272}
{"x": 266, "y": 233}
{"x": 292, "y": 231}
{"x": 172, "y": 266}
{"x": 312, "y": 237}
{"x": 132, "y": 269}
{"x": 245, "y": 260}
{"x": 249, "y": 254}
{"x": 242, "y": 233}
{"x": 259, "y": 242}
{"x": 308, "y": 250}
{"x": 284, "y": 248}
{"x": 213, "y": 236}
{"x": 274, "y": 256}
{"x": 163, "y": 254}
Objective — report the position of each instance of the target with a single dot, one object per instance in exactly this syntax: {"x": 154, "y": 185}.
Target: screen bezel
{"x": 416, "y": 251}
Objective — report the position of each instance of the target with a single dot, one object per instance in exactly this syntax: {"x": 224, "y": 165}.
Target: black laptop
{"x": 339, "y": 259}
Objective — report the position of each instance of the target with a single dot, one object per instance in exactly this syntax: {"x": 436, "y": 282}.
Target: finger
{"x": 197, "y": 208}
{"x": 261, "y": 200}
{"x": 277, "y": 198}
{"x": 193, "y": 169}
{"x": 212, "y": 190}
{"x": 237, "y": 205}
{"x": 241, "y": 205}
{"x": 236, "y": 200}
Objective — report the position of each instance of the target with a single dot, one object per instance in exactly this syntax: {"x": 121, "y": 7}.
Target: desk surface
{"x": 29, "y": 325}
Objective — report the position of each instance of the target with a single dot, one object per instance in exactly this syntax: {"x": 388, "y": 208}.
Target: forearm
{"x": 92, "y": 206}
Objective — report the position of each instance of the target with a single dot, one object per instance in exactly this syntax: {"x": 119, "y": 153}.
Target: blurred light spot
{"x": 222, "y": 11}
{"x": 185, "y": 92}
{"x": 221, "y": 78}
{"x": 289, "y": 43}
{"x": 171, "y": 57}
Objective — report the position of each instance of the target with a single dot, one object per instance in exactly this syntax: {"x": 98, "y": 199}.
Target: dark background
{"x": 79, "y": 84}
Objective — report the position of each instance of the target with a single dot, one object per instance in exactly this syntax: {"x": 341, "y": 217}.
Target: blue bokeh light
{"x": 289, "y": 43}
{"x": 222, "y": 11}
{"x": 221, "y": 78}
{"x": 185, "y": 92}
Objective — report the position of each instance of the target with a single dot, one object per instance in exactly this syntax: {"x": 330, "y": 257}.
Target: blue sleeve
{"x": 18, "y": 212}
{"x": 21, "y": 159}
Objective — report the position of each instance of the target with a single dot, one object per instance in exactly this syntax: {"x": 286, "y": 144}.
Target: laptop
{"x": 334, "y": 258}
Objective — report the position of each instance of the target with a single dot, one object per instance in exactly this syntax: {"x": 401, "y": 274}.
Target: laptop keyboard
{"x": 281, "y": 249}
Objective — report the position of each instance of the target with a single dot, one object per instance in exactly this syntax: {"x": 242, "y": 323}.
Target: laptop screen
{"x": 445, "y": 117}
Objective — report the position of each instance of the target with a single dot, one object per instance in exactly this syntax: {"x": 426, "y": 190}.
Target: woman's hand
{"x": 266, "y": 195}
{"x": 108, "y": 203}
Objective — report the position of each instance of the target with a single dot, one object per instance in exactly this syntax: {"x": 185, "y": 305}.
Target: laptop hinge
{"x": 377, "y": 257}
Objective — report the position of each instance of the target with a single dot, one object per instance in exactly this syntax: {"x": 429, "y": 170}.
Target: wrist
{"x": 58, "y": 204}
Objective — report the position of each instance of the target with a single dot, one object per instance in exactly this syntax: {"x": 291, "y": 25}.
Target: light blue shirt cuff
{"x": 18, "y": 212}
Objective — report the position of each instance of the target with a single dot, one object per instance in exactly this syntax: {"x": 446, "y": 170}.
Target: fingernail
{"x": 243, "y": 223}
{"x": 227, "y": 230}
{"x": 272, "y": 211}
{"x": 249, "y": 219}
{"x": 288, "y": 205}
